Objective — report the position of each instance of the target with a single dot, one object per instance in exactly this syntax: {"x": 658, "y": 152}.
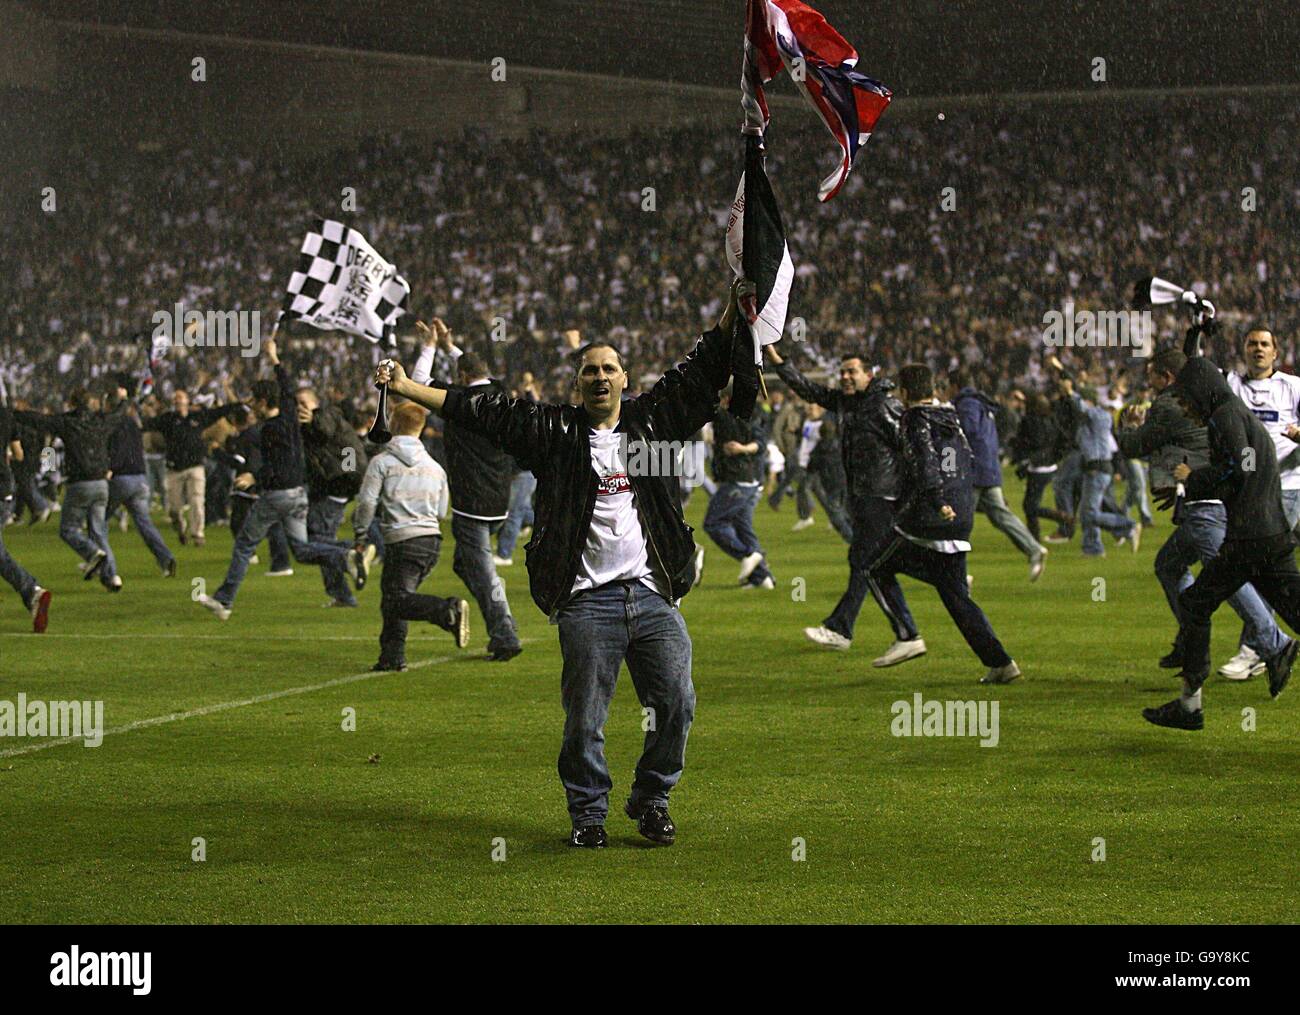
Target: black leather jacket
{"x": 554, "y": 442}
{"x": 869, "y": 438}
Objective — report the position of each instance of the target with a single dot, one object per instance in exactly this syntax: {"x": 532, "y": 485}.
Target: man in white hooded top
{"x": 408, "y": 489}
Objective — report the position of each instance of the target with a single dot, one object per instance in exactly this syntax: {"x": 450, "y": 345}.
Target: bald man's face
{"x": 1261, "y": 353}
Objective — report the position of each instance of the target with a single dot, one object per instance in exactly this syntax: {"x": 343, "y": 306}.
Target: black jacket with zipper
{"x": 1242, "y": 471}
{"x": 479, "y": 473}
{"x": 85, "y": 441}
{"x": 868, "y": 430}
{"x": 553, "y": 441}
{"x": 938, "y": 470}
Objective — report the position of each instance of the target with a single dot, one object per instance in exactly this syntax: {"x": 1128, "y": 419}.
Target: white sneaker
{"x": 767, "y": 583}
{"x": 219, "y": 611}
{"x": 1036, "y": 565}
{"x": 502, "y": 561}
{"x": 254, "y": 559}
{"x": 1135, "y": 540}
{"x": 1243, "y": 665}
{"x": 1002, "y": 674}
{"x": 803, "y": 523}
{"x": 286, "y": 573}
{"x": 901, "y": 652}
{"x": 825, "y": 636}
{"x": 749, "y": 564}
{"x": 699, "y": 566}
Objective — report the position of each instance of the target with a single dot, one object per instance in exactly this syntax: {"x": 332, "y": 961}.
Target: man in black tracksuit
{"x": 611, "y": 555}
{"x": 868, "y": 415}
{"x": 1258, "y": 548}
{"x": 932, "y": 529}
{"x": 480, "y": 476}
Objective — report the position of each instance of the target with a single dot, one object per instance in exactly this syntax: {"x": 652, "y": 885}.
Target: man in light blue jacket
{"x": 1097, "y": 445}
{"x": 408, "y": 489}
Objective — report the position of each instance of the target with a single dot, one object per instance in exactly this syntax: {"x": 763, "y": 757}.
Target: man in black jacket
{"x": 35, "y": 598}
{"x": 480, "y": 475}
{"x": 610, "y": 555}
{"x": 1258, "y": 547}
{"x": 932, "y": 529}
{"x": 729, "y": 520}
{"x": 868, "y": 415}
{"x": 282, "y": 480}
{"x": 336, "y": 462}
{"x": 128, "y": 485}
{"x": 1165, "y": 435}
{"x": 83, "y": 524}
{"x": 182, "y": 431}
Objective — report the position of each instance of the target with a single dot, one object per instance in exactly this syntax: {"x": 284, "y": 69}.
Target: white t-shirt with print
{"x": 616, "y": 547}
{"x": 1275, "y": 400}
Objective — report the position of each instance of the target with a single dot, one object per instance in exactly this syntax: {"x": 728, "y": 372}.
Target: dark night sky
{"x": 919, "y": 47}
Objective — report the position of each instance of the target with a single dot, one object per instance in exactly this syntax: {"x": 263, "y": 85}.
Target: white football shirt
{"x": 1275, "y": 401}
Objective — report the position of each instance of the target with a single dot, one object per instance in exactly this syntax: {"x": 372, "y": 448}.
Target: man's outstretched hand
{"x": 740, "y": 289}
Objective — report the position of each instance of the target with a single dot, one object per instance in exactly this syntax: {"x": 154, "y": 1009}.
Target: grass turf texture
{"x": 789, "y": 741}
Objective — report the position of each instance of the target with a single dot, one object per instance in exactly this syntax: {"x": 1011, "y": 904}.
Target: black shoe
{"x": 1172, "y": 661}
{"x": 653, "y": 822}
{"x": 589, "y": 837}
{"x": 504, "y": 655}
{"x": 170, "y": 570}
{"x": 1279, "y": 667}
{"x": 94, "y": 564}
{"x": 382, "y": 667}
{"x": 1173, "y": 715}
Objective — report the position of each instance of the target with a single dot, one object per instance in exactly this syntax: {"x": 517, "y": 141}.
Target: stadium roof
{"x": 918, "y": 47}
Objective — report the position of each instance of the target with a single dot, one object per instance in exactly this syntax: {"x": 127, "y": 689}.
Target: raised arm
{"x": 808, "y": 390}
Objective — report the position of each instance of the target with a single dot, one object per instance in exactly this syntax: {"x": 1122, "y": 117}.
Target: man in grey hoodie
{"x": 409, "y": 491}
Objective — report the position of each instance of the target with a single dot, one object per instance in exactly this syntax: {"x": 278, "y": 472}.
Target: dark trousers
{"x": 829, "y": 491}
{"x": 947, "y": 573}
{"x": 873, "y": 530}
{"x": 1268, "y": 564}
{"x": 1036, "y": 484}
{"x": 406, "y": 565}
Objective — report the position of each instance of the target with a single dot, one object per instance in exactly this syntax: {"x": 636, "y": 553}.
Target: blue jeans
{"x": 1093, "y": 518}
{"x": 472, "y": 562}
{"x": 521, "y": 512}
{"x": 10, "y": 570}
{"x": 599, "y": 629}
{"x": 1198, "y": 537}
{"x": 133, "y": 492}
{"x": 729, "y": 521}
{"x": 1064, "y": 480}
{"x": 324, "y": 516}
{"x": 288, "y": 508}
{"x": 82, "y": 525}
{"x": 1135, "y": 491}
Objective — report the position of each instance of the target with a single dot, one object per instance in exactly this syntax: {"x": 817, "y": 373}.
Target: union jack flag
{"x": 823, "y": 64}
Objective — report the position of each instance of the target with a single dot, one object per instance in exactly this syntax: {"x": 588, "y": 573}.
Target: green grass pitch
{"x": 790, "y": 742}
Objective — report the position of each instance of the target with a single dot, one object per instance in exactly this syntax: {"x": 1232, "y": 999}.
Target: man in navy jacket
{"x": 976, "y": 412}
{"x": 932, "y": 529}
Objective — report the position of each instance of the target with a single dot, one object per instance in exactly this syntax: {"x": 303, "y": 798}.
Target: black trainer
{"x": 1173, "y": 715}
{"x": 1172, "y": 661}
{"x": 589, "y": 837}
{"x": 653, "y": 822}
{"x": 504, "y": 654}
{"x": 382, "y": 667}
{"x": 1279, "y": 667}
{"x": 94, "y": 565}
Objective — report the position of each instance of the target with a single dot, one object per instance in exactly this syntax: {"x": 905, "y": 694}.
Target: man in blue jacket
{"x": 932, "y": 528}
{"x": 976, "y": 412}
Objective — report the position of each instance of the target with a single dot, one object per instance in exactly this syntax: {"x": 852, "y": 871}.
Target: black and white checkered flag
{"x": 342, "y": 284}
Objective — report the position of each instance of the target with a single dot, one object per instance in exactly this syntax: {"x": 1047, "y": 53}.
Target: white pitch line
{"x": 188, "y": 637}
{"x": 195, "y": 713}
